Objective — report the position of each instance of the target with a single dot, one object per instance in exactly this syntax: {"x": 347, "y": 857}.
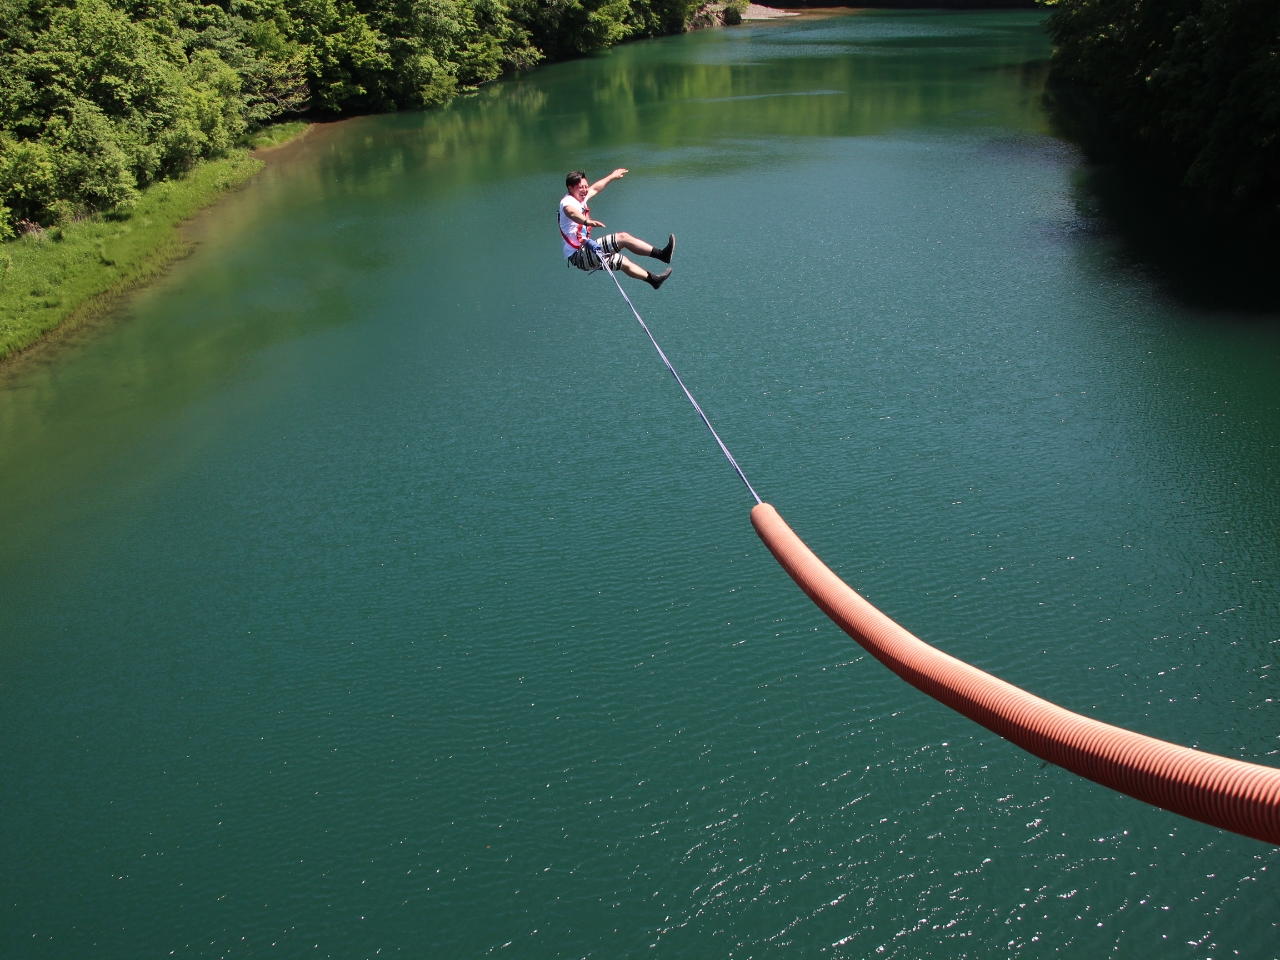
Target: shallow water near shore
{"x": 370, "y": 589}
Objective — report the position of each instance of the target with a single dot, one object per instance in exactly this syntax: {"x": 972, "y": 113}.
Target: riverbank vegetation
{"x": 1188, "y": 88}
{"x": 100, "y": 98}
{"x": 1177, "y": 105}
{"x": 52, "y": 277}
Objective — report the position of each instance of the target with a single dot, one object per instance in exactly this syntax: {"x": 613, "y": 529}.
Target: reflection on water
{"x": 76, "y": 414}
{"x": 368, "y": 587}
{"x": 1220, "y": 258}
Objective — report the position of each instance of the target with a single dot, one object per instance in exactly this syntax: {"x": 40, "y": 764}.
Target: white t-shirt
{"x": 573, "y": 234}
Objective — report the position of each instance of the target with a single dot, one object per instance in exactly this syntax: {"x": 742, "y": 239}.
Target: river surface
{"x": 367, "y": 587}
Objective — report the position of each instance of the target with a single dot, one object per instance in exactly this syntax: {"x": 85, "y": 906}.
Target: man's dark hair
{"x": 572, "y": 179}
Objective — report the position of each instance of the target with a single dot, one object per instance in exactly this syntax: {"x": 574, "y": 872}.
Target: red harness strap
{"x": 586, "y": 212}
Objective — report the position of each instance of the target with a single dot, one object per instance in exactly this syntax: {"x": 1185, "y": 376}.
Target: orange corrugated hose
{"x": 1231, "y": 794}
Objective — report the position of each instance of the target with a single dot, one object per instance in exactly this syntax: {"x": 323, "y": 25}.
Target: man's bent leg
{"x": 633, "y": 270}
{"x": 634, "y": 244}
{"x": 627, "y": 242}
{"x": 639, "y": 273}
{"x": 654, "y": 280}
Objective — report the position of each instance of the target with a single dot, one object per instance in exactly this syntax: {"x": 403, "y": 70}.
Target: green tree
{"x": 1194, "y": 84}
{"x": 99, "y": 98}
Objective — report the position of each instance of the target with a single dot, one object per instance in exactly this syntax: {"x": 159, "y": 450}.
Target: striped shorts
{"x": 584, "y": 258}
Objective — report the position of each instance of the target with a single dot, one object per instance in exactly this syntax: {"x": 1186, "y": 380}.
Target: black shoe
{"x": 665, "y": 253}
{"x": 656, "y": 280}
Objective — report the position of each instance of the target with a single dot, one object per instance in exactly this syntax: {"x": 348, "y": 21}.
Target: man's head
{"x": 577, "y": 184}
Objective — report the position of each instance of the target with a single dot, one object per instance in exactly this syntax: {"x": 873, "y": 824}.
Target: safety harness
{"x": 586, "y": 212}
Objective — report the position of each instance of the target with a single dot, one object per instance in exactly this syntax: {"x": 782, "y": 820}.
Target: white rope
{"x": 604, "y": 261}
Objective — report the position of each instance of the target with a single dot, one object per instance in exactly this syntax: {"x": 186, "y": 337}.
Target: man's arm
{"x": 601, "y": 184}
{"x": 577, "y": 216}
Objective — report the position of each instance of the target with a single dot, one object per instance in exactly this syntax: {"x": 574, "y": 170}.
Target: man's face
{"x": 579, "y": 190}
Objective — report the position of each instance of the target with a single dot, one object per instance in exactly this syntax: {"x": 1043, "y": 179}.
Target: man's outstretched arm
{"x": 601, "y": 184}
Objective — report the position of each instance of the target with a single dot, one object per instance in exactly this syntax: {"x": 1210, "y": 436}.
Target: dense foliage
{"x": 99, "y": 98}
{"x": 1192, "y": 84}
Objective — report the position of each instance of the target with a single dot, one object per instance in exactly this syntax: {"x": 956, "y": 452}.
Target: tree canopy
{"x": 1192, "y": 84}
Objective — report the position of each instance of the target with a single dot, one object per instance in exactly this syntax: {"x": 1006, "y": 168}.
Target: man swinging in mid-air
{"x": 576, "y": 224}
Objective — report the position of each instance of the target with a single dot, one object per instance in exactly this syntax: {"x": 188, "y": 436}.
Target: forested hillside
{"x": 1192, "y": 87}
{"x": 99, "y": 98}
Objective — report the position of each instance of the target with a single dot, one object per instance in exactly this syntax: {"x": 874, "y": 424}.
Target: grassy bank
{"x": 55, "y": 279}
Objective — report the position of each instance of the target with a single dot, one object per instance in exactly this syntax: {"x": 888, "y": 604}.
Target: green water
{"x": 367, "y": 587}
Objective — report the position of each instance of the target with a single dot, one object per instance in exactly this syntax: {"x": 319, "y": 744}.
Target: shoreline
{"x": 63, "y": 280}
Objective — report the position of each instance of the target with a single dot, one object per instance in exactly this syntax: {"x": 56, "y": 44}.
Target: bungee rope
{"x": 1229, "y": 794}
{"x": 604, "y": 262}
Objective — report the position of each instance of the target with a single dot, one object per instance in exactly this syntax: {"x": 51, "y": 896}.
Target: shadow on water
{"x": 1206, "y": 257}
{"x": 1211, "y": 260}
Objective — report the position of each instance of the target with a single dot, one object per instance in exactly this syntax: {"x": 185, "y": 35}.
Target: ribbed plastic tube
{"x": 1231, "y": 794}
